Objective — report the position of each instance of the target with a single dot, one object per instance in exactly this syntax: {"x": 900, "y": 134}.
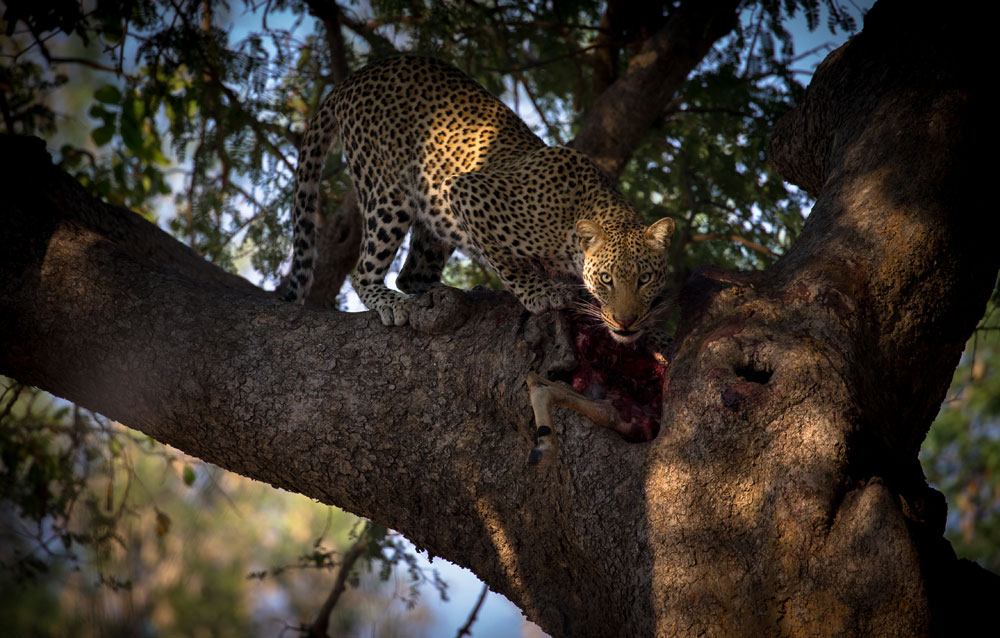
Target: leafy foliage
{"x": 708, "y": 169}
{"x": 138, "y": 535}
{"x": 49, "y": 454}
{"x": 961, "y": 455}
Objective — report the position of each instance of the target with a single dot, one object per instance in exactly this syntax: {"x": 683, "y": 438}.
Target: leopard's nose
{"x": 624, "y": 322}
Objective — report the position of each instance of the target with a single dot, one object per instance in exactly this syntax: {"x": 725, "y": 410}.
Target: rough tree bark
{"x": 782, "y": 496}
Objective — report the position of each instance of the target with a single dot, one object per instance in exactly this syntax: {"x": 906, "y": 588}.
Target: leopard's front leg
{"x": 536, "y": 293}
{"x": 479, "y": 203}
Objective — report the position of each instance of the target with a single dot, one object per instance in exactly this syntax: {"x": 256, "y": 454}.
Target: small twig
{"x": 319, "y": 627}
{"x": 368, "y": 34}
{"x": 749, "y": 243}
{"x": 517, "y": 67}
{"x": 17, "y": 388}
{"x": 826, "y": 46}
{"x": 90, "y": 63}
{"x": 538, "y": 109}
{"x": 548, "y": 24}
{"x": 705, "y": 111}
{"x": 261, "y": 211}
{"x": 466, "y": 629}
{"x": 753, "y": 42}
{"x": 121, "y": 46}
{"x": 39, "y": 42}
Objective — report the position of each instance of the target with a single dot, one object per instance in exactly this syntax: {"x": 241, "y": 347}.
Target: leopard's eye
{"x": 605, "y": 278}
{"x": 644, "y": 278}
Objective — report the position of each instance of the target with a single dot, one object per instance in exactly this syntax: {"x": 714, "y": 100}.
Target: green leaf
{"x": 131, "y": 133}
{"x": 102, "y": 135}
{"x": 98, "y": 112}
{"x": 109, "y": 94}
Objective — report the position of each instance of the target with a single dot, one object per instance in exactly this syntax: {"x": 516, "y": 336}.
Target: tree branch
{"x": 329, "y": 12}
{"x": 749, "y": 243}
{"x": 58, "y": 192}
{"x": 357, "y": 550}
{"x": 652, "y": 78}
{"x": 338, "y": 243}
{"x": 316, "y": 402}
{"x": 466, "y": 629}
{"x": 53, "y": 59}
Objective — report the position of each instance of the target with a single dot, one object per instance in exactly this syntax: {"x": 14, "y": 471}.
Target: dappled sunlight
{"x": 505, "y": 549}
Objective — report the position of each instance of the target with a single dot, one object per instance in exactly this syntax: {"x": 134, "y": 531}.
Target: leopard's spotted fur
{"x": 430, "y": 150}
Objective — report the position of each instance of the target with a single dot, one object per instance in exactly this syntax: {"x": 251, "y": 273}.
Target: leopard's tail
{"x": 321, "y": 134}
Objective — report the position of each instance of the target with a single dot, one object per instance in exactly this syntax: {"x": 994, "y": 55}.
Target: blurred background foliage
{"x": 961, "y": 455}
{"x": 189, "y": 112}
{"x": 104, "y": 532}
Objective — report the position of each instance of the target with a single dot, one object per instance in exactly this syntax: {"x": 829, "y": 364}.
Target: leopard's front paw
{"x": 392, "y": 306}
{"x": 556, "y": 296}
{"x": 394, "y": 311}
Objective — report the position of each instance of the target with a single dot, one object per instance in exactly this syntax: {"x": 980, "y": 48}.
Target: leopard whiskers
{"x": 588, "y": 308}
{"x": 662, "y": 307}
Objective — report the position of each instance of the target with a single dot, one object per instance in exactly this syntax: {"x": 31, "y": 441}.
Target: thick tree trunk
{"x": 782, "y": 496}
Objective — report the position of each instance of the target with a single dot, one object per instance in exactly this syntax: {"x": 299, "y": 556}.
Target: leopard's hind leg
{"x": 425, "y": 261}
{"x": 388, "y": 213}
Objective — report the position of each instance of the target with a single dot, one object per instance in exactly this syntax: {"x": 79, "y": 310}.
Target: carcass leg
{"x": 543, "y": 395}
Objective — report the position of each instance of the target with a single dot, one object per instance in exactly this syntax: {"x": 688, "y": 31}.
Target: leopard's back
{"x": 432, "y": 151}
{"x": 405, "y": 124}
{"x": 410, "y": 113}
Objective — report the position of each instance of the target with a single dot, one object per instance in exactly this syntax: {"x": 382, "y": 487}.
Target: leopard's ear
{"x": 660, "y": 232}
{"x": 591, "y": 234}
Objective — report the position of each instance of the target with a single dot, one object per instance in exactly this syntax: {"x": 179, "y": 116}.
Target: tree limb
{"x": 652, "y": 78}
{"x": 329, "y": 12}
{"x": 356, "y": 551}
{"x": 338, "y": 243}
{"x": 749, "y": 243}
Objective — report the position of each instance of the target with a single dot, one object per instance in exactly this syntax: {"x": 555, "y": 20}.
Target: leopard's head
{"x": 625, "y": 268}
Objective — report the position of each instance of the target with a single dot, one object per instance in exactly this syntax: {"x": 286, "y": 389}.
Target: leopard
{"x": 432, "y": 152}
